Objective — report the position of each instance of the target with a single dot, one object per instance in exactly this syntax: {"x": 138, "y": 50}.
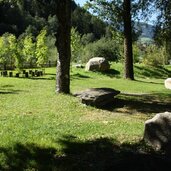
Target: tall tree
{"x": 119, "y": 14}
{"x": 163, "y": 26}
{"x": 129, "y": 73}
{"x": 63, "y": 39}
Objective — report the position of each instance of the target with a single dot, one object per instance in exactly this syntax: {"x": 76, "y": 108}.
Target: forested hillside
{"x": 23, "y": 22}
{"x": 28, "y": 17}
{"x": 147, "y": 30}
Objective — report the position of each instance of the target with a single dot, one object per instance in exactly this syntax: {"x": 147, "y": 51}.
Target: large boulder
{"x": 157, "y": 131}
{"x": 167, "y": 83}
{"x": 98, "y": 97}
{"x": 97, "y": 64}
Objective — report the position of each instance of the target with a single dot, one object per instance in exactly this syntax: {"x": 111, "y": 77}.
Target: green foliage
{"x": 154, "y": 56}
{"x": 87, "y": 38}
{"x": 163, "y": 26}
{"x": 41, "y": 48}
{"x": 86, "y": 23}
{"x": 75, "y": 45}
{"x": 29, "y": 49}
{"x": 7, "y": 49}
{"x": 52, "y": 50}
{"x": 106, "y": 48}
{"x": 19, "y": 56}
{"x": 17, "y": 52}
{"x": 136, "y": 53}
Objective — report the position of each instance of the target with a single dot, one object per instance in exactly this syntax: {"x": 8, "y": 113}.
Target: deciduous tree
{"x": 41, "y": 48}
{"x": 119, "y": 14}
{"x": 29, "y": 49}
{"x": 163, "y": 26}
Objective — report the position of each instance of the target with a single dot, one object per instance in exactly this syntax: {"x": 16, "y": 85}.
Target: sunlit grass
{"x": 32, "y": 113}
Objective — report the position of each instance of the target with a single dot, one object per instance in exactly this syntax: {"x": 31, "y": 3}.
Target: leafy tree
{"x": 7, "y": 49}
{"x": 81, "y": 20}
{"x": 87, "y": 38}
{"x": 19, "y": 60}
{"x": 52, "y": 50}
{"x": 106, "y": 48}
{"x": 75, "y": 44}
{"x": 41, "y": 48}
{"x": 29, "y": 49}
{"x": 163, "y": 26}
{"x": 86, "y": 23}
{"x": 119, "y": 14}
{"x": 12, "y": 48}
{"x": 154, "y": 56}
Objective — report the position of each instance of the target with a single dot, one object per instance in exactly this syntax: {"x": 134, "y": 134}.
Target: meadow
{"x": 42, "y": 130}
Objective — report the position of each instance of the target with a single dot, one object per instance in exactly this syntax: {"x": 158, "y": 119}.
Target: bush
{"x": 136, "y": 53}
{"x": 154, "y": 56}
{"x": 87, "y": 38}
{"x": 106, "y": 48}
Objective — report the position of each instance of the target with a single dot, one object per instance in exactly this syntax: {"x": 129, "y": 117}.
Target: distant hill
{"x": 147, "y": 30}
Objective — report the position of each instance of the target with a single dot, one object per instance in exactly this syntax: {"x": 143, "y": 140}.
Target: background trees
{"x": 28, "y": 49}
{"x": 119, "y": 15}
{"x": 24, "y": 51}
{"x": 41, "y": 49}
{"x": 163, "y": 27}
{"x": 75, "y": 45}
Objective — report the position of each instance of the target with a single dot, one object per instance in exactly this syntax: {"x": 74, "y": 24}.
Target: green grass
{"x": 41, "y": 130}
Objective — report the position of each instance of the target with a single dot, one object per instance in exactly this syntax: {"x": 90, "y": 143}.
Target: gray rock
{"x": 78, "y": 66}
{"x": 167, "y": 83}
{"x": 97, "y": 64}
{"x": 98, "y": 97}
{"x": 157, "y": 131}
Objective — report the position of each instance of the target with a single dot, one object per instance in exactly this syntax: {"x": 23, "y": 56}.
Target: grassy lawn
{"x": 41, "y": 130}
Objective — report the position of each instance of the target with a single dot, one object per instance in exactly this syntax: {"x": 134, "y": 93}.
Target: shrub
{"x": 87, "y": 38}
{"x": 136, "y": 53}
{"x": 154, "y": 56}
{"x": 106, "y": 48}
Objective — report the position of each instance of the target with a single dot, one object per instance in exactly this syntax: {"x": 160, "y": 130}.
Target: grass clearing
{"x": 44, "y": 131}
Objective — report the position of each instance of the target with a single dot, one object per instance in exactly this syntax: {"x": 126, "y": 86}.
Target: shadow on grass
{"x": 144, "y": 103}
{"x": 7, "y": 86}
{"x": 79, "y": 76}
{"x": 112, "y": 73}
{"x": 7, "y": 90}
{"x": 154, "y": 72}
{"x": 151, "y": 82}
{"x": 102, "y": 154}
{"x": 42, "y": 78}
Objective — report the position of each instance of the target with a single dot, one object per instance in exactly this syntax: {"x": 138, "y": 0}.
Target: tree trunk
{"x": 63, "y": 46}
{"x": 129, "y": 72}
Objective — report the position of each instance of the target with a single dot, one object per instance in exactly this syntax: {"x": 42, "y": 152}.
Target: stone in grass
{"x": 167, "y": 83}
{"x": 78, "y": 66}
{"x": 97, "y": 64}
{"x": 98, "y": 97}
{"x": 157, "y": 131}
